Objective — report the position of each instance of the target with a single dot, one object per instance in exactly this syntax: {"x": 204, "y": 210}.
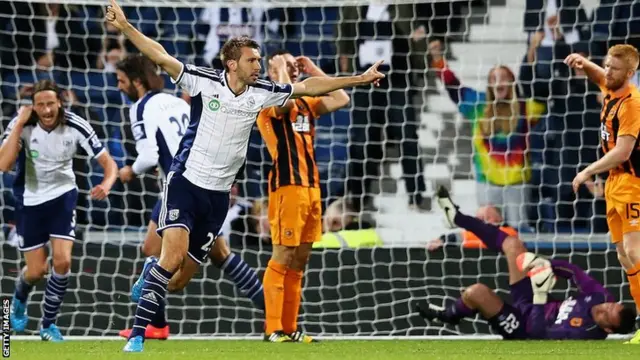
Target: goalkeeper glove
{"x": 541, "y": 274}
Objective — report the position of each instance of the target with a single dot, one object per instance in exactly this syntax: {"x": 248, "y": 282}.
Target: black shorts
{"x": 511, "y": 322}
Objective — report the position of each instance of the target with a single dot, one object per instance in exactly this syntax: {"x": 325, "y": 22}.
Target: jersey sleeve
{"x": 86, "y": 136}
{"x": 8, "y": 130}
{"x": 143, "y": 128}
{"x": 278, "y": 94}
{"x": 585, "y": 283}
{"x": 629, "y": 116}
{"x": 314, "y": 102}
{"x": 192, "y": 78}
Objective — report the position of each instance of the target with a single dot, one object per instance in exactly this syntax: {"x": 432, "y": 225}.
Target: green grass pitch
{"x": 327, "y": 350}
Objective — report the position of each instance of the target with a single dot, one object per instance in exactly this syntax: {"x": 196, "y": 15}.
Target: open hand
{"x": 99, "y": 192}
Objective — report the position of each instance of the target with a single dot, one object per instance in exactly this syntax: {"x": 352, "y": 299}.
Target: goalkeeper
{"x": 592, "y": 314}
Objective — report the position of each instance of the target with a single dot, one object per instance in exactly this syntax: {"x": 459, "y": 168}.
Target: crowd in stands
{"x": 533, "y": 127}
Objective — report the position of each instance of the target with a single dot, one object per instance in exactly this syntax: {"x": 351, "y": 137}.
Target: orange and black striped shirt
{"x": 289, "y": 139}
{"x": 621, "y": 116}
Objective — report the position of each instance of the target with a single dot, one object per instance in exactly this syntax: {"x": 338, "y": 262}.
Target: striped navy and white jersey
{"x": 158, "y": 123}
{"x": 44, "y": 166}
{"x": 214, "y": 146}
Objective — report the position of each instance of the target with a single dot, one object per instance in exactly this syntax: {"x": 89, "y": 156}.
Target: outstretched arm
{"x": 585, "y": 283}
{"x": 334, "y": 100}
{"x": 316, "y": 86}
{"x": 150, "y": 48}
{"x": 470, "y": 101}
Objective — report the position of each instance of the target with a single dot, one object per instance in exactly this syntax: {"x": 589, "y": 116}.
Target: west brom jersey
{"x": 158, "y": 123}
{"x": 44, "y": 166}
{"x": 215, "y": 143}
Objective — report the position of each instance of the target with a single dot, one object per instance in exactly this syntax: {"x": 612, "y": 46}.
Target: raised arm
{"x": 585, "y": 283}
{"x": 593, "y": 71}
{"x": 470, "y": 102}
{"x": 152, "y": 49}
{"x": 11, "y": 141}
{"x": 316, "y": 86}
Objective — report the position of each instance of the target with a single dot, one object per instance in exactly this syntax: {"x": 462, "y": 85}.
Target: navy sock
{"x": 245, "y": 278}
{"x": 53, "y": 295}
{"x": 490, "y": 235}
{"x": 153, "y": 293}
{"x": 23, "y": 288}
{"x": 160, "y": 319}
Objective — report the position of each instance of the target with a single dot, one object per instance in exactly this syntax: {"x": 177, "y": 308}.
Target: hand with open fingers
{"x": 99, "y": 192}
{"x": 372, "y": 75}
{"x": 115, "y": 16}
{"x": 575, "y": 61}
{"x": 541, "y": 274}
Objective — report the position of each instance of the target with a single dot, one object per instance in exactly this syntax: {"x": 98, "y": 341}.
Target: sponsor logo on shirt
{"x": 214, "y": 105}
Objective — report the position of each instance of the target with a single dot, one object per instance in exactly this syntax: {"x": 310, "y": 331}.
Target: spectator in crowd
{"x": 501, "y": 119}
{"x": 573, "y": 130}
{"x": 383, "y": 115}
{"x": 219, "y": 23}
{"x": 615, "y": 22}
{"x": 250, "y": 225}
{"x": 468, "y": 239}
{"x": 113, "y": 49}
{"x": 45, "y": 34}
{"x": 557, "y": 24}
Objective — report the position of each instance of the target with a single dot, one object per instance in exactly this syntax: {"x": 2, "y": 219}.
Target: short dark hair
{"x": 232, "y": 49}
{"x": 140, "y": 67}
{"x": 48, "y": 85}
{"x": 627, "y": 320}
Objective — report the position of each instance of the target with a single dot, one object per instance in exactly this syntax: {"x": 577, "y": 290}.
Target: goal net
{"x": 411, "y": 137}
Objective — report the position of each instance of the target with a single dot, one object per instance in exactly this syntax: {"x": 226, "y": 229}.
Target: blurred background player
{"x": 158, "y": 122}
{"x": 43, "y": 139}
{"x": 295, "y": 208}
{"x": 224, "y": 106}
{"x": 590, "y": 314}
{"x": 620, "y": 118}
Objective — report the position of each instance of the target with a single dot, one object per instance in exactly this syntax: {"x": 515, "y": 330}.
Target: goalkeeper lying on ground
{"x": 591, "y": 314}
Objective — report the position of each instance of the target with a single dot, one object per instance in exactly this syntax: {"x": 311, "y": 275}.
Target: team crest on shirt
{"x": 173, "y": 214}
{"x": 575, "y": 322}
{"x": 34, "y": 154}
{"x": 214, "y": 105}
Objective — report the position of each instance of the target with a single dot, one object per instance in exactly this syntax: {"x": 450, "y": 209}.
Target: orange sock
{"x": 273, "y": 284}
{"x": 292, "y": 298}
{"x": 633, "y": 275}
